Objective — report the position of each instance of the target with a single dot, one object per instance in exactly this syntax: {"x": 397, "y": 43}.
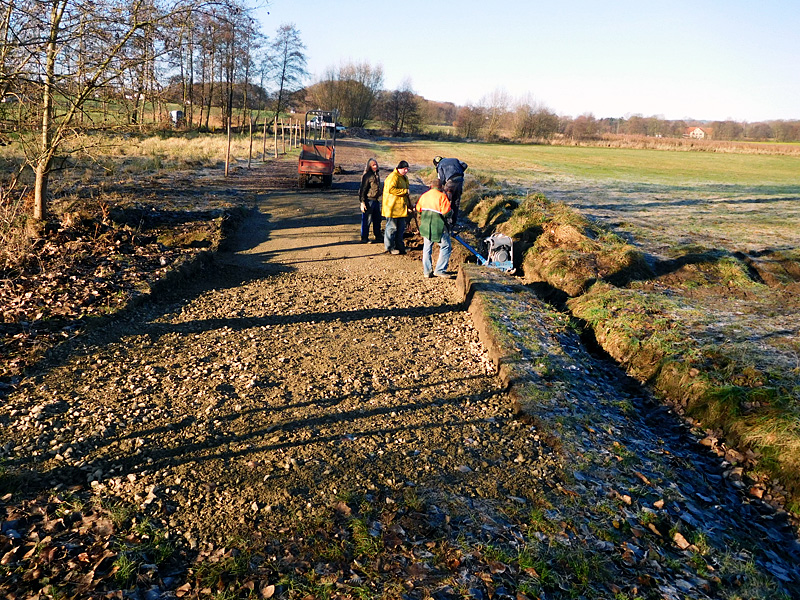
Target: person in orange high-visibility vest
{"x": 434, "y": 210}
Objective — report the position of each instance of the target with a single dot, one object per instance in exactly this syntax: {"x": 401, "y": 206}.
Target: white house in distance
{"x": 697, "y": 133}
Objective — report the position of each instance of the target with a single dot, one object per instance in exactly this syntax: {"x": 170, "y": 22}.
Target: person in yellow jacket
{"x": 434, "y": 209}
{"x": 395, "y": 208}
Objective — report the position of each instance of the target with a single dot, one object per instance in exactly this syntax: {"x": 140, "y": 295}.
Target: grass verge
{"x": 693, "y": 326}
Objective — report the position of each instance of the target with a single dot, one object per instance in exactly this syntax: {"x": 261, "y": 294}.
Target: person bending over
{"x": 451, "y": 176}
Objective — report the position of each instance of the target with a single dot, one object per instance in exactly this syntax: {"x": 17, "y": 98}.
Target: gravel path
{"x": 305, "y": 372}
{"x": 305, "y": 362}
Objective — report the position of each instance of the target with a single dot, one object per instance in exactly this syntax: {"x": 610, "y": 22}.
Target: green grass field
{"x": 519, "y": 162}
{"x": 736, "y": 201}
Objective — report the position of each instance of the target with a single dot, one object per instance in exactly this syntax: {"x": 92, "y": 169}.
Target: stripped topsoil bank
{"x": 714, "y": 331}
{"x": 308, "y": 417}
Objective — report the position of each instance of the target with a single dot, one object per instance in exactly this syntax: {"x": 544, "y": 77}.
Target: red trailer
{"x": 319, "y": 148}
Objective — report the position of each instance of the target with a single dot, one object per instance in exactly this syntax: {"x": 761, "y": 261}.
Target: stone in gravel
{"x": 680, "y": 541}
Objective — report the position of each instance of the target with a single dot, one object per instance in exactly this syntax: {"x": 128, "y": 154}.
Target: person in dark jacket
{"x": 451, "y": 176}
{"x": 369, "y": 194}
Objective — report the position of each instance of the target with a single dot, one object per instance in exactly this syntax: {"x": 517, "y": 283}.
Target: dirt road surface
{"x": 305, "y": 377}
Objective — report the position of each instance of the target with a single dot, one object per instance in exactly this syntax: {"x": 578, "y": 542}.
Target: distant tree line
{"x": 356, "y": 91}
{"x": 498, "y": 117}
{"x": 67, "y": 66}
{"x": 587, "y": 127}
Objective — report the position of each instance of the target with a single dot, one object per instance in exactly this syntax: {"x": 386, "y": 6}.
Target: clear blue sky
{"x": 701, "y": 59}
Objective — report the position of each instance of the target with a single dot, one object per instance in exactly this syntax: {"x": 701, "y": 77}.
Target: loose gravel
{"x": 304, "y": 369}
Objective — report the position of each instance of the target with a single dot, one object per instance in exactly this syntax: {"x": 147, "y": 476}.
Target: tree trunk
{"x": 40, "y": 189}
{"x": 229, "y": 108}
{"x": 210, "y": 90}
{"x": 184, "y": 87}
{"x": 45, "y": 157}
{"x": 228, "y": 150}
{"x": 189, "y": 109}
{"x": 245, "y": 107}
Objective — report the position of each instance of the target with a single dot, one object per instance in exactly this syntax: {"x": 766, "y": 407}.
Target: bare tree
{"x": 14, "y": 60}
{"x": 361, "y": 83}
{"x": 786, "y": 131}
{"x": 470, "y": 121}
{"x": 287, "y": 65}
{"x": 326, "y": 93}
{"x": 400, "y": 108}
{"x": 533, "y": 120}
{"x": 584, "y": 127}
{"x": 353, "y": 90}
{"x": 69, "y": 52}
{"x": 207, "y": 55}
{"x": 727, "y": 130}
{"x": 635, "y": 125}
{"x": 761, "y": 131}
{"x": 240, "y": 35}
{"x": 495, "y": 107}
{"x": 184, "y": 58}
{"x": 110, "y": 34}
{"x": 218, "y": 35}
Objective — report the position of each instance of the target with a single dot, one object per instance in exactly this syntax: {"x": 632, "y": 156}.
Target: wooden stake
{"x": 264, "y": 142}
{"x": 228, "y": 148}
{"x": 250, "y": 153}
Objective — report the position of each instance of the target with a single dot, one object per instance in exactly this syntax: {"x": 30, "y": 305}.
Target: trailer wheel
{"x": 327, "y": 180}
{"x": 302, "y": 180}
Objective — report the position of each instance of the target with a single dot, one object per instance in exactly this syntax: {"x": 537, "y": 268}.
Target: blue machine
{"x": 500, "y": 252}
